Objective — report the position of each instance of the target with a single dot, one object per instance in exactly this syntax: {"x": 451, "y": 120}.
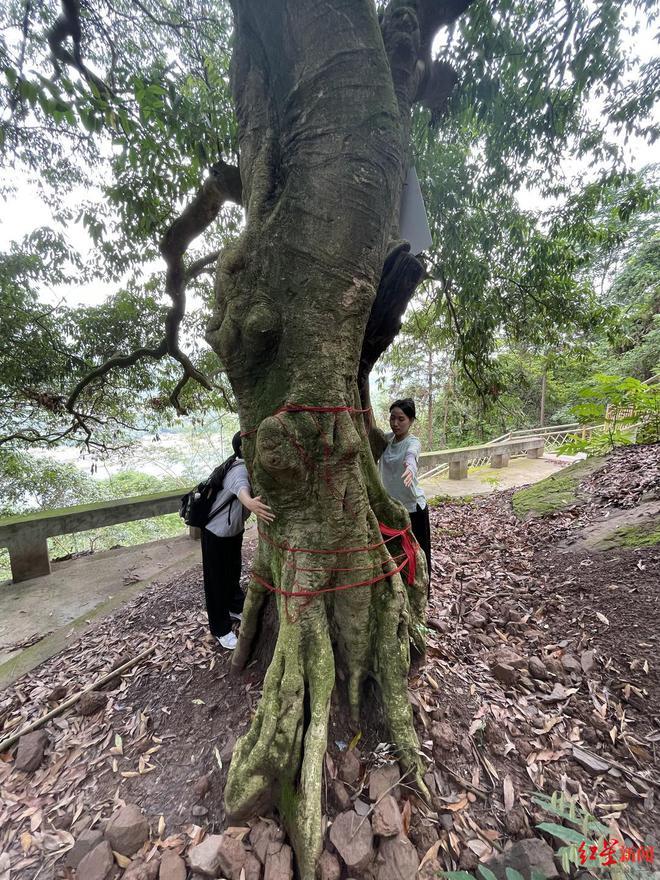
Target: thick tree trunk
{"x": 544, "y": 376}
{"x": 322, "y": 100}
{"x": 429, "y": 404}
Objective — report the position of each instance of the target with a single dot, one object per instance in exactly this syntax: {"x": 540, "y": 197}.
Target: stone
{"x": 504, "y": 673}
{"x": 231, "y": 855}
{"x": 476, "y": 620}
{"x": 329, "y": 867}
{"x": 84, "y": 844}
{"x": 58, "y": 693}
{"x": 198, "y": 810}
{"x": 252, "y": 867}
{"x": 442, "y": 736}
{"x": 340, "y": 797}
{"x": 510, "y": 658}
{"x": 384, "y": 779}
{"x": 537, "y": 669}
{"x": 571, "y": 664}
{"x": 515, "y": 821}
{"x": 91, "y": 702}
{"x": 204, "y": 858}
{"x": 279, "y": 862}
{"x": 201, "y": 786}
{"x": 98, "y": 863}
{"x": 353, "y": 839}
{"x": 350, "y": 767}
{"x": 227, "y": 750}
{"x": 431, "y": 870}
{"x": 141, "y": 870}
{"x": 525, "y": 856}
{"x": 447, "y": 821}
{"x": 172, "y": 866}
{"x": 127, "y": 830}
{"x": 397, "y": 859}
{"x": 587, "y": 661}
{"x": 30, "y": 753}
{"x": 262, "y": 833}
{"x": 423, "y": 835}
{"x": 386, "y": 821}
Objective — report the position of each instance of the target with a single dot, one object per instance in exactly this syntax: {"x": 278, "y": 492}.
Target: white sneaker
{"x": 228, "y": 641}
{"x": 237, "y": 615}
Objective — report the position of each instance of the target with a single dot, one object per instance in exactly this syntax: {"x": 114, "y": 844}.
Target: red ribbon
{"x": 408, "y": 545}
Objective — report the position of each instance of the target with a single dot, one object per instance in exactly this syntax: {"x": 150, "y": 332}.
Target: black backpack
{"x": 196, "y": 505}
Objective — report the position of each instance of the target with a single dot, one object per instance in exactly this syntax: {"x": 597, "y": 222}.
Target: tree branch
{"x": 223, "y": 184}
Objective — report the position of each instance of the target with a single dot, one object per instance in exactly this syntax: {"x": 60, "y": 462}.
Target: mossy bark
{"x": 323, "y": 123}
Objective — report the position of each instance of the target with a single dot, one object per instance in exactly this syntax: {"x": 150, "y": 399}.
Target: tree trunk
{"x": 429, "y": 405}
{"x": 323, "y": 155}
{"x": 544, "y": 375}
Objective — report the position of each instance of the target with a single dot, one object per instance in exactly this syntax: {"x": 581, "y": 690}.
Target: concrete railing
{"x": 458, "y": 460}
{"x": 27, "y": 536}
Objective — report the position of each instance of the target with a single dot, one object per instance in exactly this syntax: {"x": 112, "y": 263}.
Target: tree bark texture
{"x": 323, "y": 95}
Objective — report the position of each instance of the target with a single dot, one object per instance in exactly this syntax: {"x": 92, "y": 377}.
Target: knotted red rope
{"x": 408, "y": 544}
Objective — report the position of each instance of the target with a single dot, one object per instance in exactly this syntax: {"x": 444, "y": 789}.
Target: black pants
{"x": 221, "y": 560}
{"x": 421, "y": 529}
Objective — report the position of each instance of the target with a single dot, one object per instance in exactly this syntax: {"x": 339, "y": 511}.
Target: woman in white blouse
{"x": 398, "y": 471}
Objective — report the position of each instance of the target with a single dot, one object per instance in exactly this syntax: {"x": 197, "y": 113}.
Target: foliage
{"x": 576, "y": 826}
{"x": 622, "y": 404}
{"x": 90, "y": 114}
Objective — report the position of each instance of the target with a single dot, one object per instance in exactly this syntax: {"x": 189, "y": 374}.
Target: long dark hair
{"x": 407, "y": 406}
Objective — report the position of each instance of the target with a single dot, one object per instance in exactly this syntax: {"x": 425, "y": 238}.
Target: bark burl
{"x": 323, "y": 93}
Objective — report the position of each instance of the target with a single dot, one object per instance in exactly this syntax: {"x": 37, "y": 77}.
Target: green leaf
{"x": 512, "y": 874}
{"x": 486, "y": 873}
{"x": 568, "y": 835}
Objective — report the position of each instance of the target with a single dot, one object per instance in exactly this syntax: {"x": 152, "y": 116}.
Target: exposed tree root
{"x": 366, "y": 631}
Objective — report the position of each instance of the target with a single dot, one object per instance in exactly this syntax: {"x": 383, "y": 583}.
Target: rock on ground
{"x": 84, "y": 844}
{"x": 172, "y": 866}
{"x": 252, "y": 867}
{"x": 279, "y": 862}
{"x": 141, "y": 870}
{"x": 397, "y": 859}
{"x": 382, "y": 779}
{"x": 127, "y": 830}
{"x": 329, "y": 867}
{"x": 525, "y": 856}
{"x": 352, "y": 837}
{"x": 350, "y": 767}
{"x": 386, "y": 820}
{"x": 30, "y": 753}
{"x": 91, "y": 702}
{"x": 231, "y": 856}
{"x": 204, "y": 858}
{"x": 262, "y": 833}
{"x": 97, "y": 864}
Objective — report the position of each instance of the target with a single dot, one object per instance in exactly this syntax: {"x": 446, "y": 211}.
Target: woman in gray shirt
{"x": 222, "y": 541}
{"x": 398, "y": 471}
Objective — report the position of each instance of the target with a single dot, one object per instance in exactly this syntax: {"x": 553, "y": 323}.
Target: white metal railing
{"x": 554, "y": 436}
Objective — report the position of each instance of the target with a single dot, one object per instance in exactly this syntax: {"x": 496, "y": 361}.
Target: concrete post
{"x": 458, "y": 469}
{"x": 29, "y": 558}
{"x": 499, "y": 460}
{"x": 194, "y": 533}
{"x": 537, "y": 452}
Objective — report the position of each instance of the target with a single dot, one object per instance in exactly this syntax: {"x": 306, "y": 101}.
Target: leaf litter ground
{"x": 541, "y": 675}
